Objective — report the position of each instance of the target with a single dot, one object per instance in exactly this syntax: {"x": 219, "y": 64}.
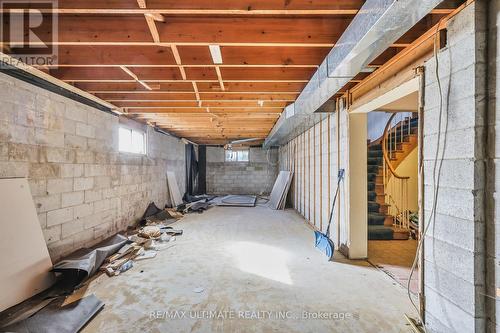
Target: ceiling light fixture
{"x": 216, "y": 54}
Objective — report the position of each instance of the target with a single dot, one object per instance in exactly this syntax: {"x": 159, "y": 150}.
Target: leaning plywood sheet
{"x": 279, "y": 188}
{"x": 285, "y": 193}
{"x": 175, "y": 194}
{"x": 24, "y": 257}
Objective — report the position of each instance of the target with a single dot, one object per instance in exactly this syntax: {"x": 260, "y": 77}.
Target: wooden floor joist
{"x": 150, "y": 59}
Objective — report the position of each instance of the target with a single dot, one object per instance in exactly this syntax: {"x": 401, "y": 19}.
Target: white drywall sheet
{"x": 24, "y": 259}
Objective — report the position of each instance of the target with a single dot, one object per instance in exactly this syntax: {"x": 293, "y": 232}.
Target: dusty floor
{"x": 395, "y": 257}
{"x": 259, "y": 272}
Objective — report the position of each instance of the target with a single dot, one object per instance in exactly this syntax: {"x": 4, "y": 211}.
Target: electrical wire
{"x": 438, "y": 163}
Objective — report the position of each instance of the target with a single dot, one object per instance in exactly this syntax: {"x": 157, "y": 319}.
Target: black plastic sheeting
{"x": 84, "y": 263}
{"x": 191, "y": 171}
{"x": 70, "y": 318}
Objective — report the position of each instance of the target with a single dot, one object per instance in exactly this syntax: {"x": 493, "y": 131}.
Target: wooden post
{"x": 321, "y": 175}
{"x": 329, "y": 165}
{"x": 309, "y": 175}
{"x": 314, "y": 175}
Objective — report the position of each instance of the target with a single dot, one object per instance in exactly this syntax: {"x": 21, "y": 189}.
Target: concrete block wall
{"x": 254, "y": 177}
{"x": 492, "y": 172}
{"x": 83, "y": 188}
{"x": 454, "y": 254}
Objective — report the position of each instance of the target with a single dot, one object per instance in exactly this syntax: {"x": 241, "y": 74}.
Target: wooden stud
{"x": 321, "y": 175}
{"x": 314, "y": 174}
{"x": 329, "y": 165}
{"x": 309, "y": 175}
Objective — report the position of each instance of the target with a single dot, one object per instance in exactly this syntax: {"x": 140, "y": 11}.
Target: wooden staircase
{"x": 381, "y": 225}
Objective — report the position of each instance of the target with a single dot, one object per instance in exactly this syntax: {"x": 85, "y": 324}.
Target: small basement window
{"x": 237, "y": 155}
{"x": 131, "y": 141}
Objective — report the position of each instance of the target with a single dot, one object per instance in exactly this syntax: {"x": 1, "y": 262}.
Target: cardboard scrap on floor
{"x": 143, "y": 244}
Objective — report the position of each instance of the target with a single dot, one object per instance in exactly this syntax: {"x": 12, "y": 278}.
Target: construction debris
{"x": 53, "y": 317}
{"x": 151, "y": 232}
{"x": 237, "y": 201}
{"x": 84, "y": 263}
{"x": 174, "y": 213}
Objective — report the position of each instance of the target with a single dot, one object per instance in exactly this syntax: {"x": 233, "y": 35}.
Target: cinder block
{"x": 84, "y": 238}
{"x": 91, "y": 196}
{"x": 77, "y": 114}
{"x": 448, "y": 313}
{"x": 14, "y": 169}
{"x": 74, "y": 141}
{"x": 42, "y": 219}
{"x": 61, "y": 248}
{"x": 458, "y": 173}
{"x": 454, "y": 259}
{"x": 59, "y": 216}
{"x": 454, "y": 202}
{"x": 105, "y": 230}
{"x": 52, "y": 234}
{"x": 84, "y": 157}
{"x": 460, "y": 144}
{"x": 71, "y": 170}
{"x": 57, "y": 155}
{"x": 69, "y": 126}
{"x": 465, "y": 233}
{"x": 71, "y": 228}
{"x": 20, "y": 134}
{"x": 22, "y": 152}
{"x": 47, "y": 202}
{"x": 83, "y": 210}
{"x": 81, "y": 184}
{"x": 44, "y": 170}
{"x": 102, "y": 182}
{"x": 85, "y": 130}
{"x": 59, "y": 185}
{"x": 49, "y": 137}
{"x": 455, "y": 289}
{"x": 92, "y": 170}
{"x": 72, "y": 199}
{"x": 102, "y": 205}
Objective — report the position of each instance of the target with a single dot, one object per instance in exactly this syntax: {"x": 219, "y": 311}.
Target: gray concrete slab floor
{"x": 248, "y": 270}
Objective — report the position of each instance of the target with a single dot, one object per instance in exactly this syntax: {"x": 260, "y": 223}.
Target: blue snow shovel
{"x": 323, "y": 241}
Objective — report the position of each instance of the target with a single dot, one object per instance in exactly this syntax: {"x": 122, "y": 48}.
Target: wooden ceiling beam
{"x": 195, "y": 103}
{"x": 193, "y": 74}
{"x": 193, "y": 95}
{"x": 224, "y": 31}
{"x": 203, "y": 87}
{"x": 202, "y": 110}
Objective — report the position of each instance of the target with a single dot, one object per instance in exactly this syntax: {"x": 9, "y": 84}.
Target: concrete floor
{"x": 259, "y": 272}
{"x": 395, "y": 257}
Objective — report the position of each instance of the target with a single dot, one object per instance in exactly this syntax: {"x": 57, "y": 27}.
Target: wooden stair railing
{"x": 395, "y": 185}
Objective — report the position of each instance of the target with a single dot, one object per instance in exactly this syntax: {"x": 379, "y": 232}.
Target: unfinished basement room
{"x": 249, "y": 166}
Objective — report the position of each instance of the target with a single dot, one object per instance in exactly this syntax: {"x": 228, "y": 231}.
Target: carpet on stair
{"x": 373, "y": 207}
{"x": 376, "y": 219}
{"x": 380, "y": 232}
